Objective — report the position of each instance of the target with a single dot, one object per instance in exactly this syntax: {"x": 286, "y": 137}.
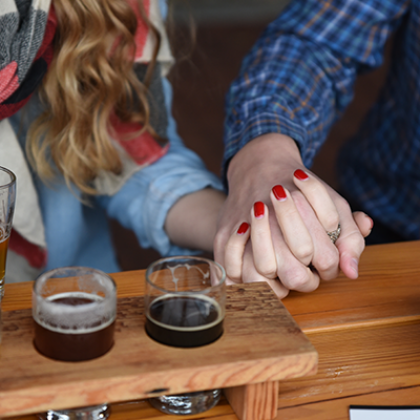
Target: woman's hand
{"x": 288, "y": 225}
{"x": 261, "y": 256}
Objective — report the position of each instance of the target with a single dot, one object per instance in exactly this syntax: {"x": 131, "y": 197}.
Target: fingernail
{"x": 371, "y": 222}
{"x": 354, "y": 264}
{"x": 243, "y": 228}
{"x": 279, "y": 193}
{"x": 300, "y": 175}
{"x": 259, "y": 209}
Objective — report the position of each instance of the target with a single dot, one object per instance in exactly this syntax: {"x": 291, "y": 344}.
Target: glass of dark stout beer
{"x": 74, "y": 309}
{"x": 185, "y": 307}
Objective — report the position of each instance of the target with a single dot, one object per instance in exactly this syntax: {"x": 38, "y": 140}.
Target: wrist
{"x": 267, "y": 153}
{"x": 192, "y": 220}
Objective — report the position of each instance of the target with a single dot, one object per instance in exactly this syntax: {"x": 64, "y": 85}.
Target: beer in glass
{"x": 74, "y": 309}
{"x": 185, "y": 307}
{"x": 7, "y": 206}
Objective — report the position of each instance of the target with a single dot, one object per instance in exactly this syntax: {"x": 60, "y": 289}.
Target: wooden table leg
{"x": 254, "y": 401}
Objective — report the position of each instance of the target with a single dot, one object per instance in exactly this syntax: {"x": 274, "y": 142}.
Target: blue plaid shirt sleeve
{"x": 299, "y": 77}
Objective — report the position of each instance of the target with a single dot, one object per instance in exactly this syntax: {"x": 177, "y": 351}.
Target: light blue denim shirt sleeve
{"x": 142, "y": 204}
{"x": 163, "y": 5}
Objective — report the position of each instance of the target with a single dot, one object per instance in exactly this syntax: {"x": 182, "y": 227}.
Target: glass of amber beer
{"x": 7, "y": 207}
{"x": 74, "y": 309}
{"x": 185, "y": 307}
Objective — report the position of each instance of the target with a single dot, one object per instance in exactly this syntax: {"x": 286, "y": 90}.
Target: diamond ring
{"x": 334, "y": 234}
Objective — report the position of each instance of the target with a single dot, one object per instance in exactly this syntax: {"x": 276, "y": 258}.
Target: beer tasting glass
{"x": 74, "y": 309}
{"x": 7, "y": 207}
{"x": 185, "y": 307}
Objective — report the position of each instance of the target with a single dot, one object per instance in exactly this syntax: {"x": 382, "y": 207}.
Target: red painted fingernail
{"x": 279, "y": 193}
{"x": 300, "y": 175}
{"x": 259, "y": 209}
{"x": 243, "y": 228}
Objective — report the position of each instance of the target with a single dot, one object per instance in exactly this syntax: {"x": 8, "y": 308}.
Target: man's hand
{"x": 287, "y": 212}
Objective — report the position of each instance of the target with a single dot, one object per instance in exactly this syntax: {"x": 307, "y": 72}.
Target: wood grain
{"x": 388, "y": 274}
{"x": 254, "y": 401}
{"x": 387, "y": 291}
{"x": 338, "y": 408}
{"x": 138, "y": 367}
{"x": 355, "y": 362}
{"x": 366, "y": 332}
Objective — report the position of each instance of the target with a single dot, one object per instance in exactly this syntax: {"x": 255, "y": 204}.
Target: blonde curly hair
{"x": 90, "y": 77}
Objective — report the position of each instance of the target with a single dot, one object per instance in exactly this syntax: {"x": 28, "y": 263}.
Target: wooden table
{"x": 366, "y": 332}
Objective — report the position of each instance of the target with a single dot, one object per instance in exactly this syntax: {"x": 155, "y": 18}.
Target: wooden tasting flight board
{"x": 261, "y": 345}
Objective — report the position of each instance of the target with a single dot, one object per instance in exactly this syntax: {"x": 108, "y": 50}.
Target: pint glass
{"x": 7, "y": 207}
{"x": 74, "y": 309}
{"x": 185, "y": 307}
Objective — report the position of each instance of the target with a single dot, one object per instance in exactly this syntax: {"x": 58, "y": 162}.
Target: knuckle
{"x": 360, "y": 244}
{"x": 299, "y": 280}
{"x": 353, "y": 240}
{"x": 342, "y": 205}
{"x": 333, "y": 219}
{"x": 304, "y": 252}
{"x": 289, "y": 211}
{"x": 326, "y": 261}
{"x": 282, "y": 294}
{"x": 233, "y": 276}
{"x": 267, "y": 270}
{"x": 278, "y": 288}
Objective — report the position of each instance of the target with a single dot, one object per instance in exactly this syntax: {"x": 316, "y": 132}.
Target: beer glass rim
{"x": 50, "y": 273}
{"x": 12, "y": 175}
{"x": 192, "y": 257}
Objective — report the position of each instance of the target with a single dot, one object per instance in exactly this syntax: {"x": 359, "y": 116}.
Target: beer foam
{"x": 74, "y": 319}
{"x": 96, "y": 283}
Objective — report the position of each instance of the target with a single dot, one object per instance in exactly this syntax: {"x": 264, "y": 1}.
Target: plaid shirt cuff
{"x": 242, "y": 132}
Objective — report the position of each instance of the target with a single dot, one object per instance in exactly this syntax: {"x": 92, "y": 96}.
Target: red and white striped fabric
{"x": 28, "y": 28}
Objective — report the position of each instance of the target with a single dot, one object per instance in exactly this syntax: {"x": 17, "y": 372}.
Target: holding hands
{"x": 297, "y": 233}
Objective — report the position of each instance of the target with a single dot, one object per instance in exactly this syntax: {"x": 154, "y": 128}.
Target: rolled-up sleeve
{"x": 143, "y": 202}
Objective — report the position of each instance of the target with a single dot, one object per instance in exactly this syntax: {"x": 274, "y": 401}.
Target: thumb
{"x": 363, "y": 222}
{"x": 351, "y": 242}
